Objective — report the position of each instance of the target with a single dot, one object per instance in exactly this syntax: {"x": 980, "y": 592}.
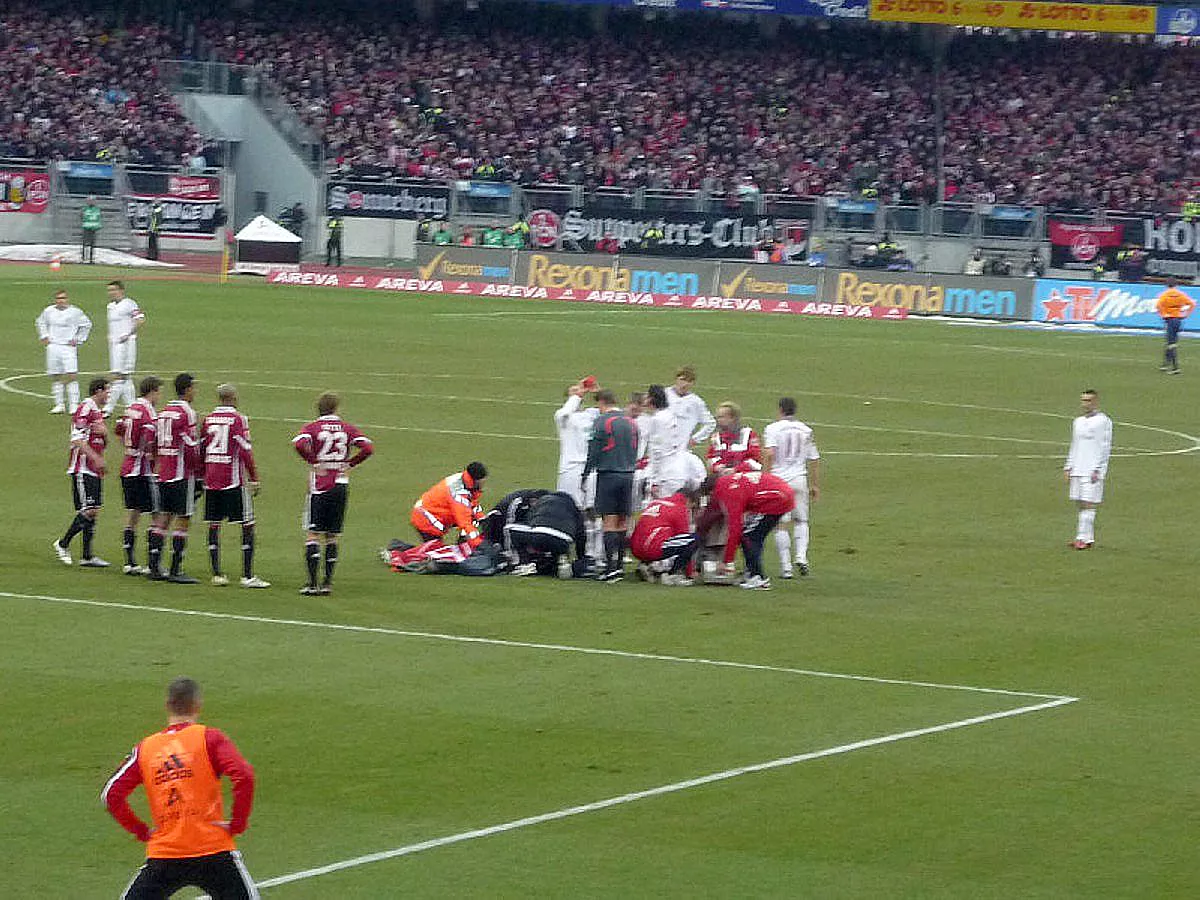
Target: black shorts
{"x": 222, "y": 875}
{"x": 229, "y": 505}
{"x": 1173, "y": 327}
{"x": 614, "y": 493}
{"x": 177, "y": 498}
{"x": 325, "y": 513}
{"x": 534, "y": 540}
{"x": 141, "y": 492}
{"x": 87, "y": 491}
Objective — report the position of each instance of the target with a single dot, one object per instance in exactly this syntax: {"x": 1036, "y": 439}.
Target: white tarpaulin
{"x": 263, "y": 246}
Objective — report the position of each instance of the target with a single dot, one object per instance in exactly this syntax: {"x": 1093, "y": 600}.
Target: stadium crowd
{"x": 649, "y": 102}
{"x": 678, "y": 104}
{"x": 76, "y": 88}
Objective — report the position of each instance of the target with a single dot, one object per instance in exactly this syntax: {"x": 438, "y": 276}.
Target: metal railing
{"x": 185, "y": 76}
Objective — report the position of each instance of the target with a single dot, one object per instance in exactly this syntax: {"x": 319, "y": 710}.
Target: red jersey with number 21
{"x": 326, "y": 444}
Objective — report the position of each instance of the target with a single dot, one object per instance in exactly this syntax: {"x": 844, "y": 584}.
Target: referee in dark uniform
{"x": 612, "y": 455}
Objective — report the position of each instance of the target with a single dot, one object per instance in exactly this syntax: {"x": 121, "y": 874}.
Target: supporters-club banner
{"x": 377, "y": 200}
{"x": 183, "y": 217}
{"x": 683, "y": 234}
{"x": 1081, "y": 246}
{"x": 1172, "y": 247}
{"x": 1103, "y": 303}
{"x": 23, "y": 190}
{"x": 1093, "y": 17}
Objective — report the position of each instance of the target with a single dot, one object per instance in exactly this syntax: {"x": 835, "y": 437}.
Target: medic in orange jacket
{"x": 452, "y": 503}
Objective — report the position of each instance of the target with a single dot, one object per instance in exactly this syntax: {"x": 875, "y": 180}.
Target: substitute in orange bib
{"x": 452, "y": 503}
{"x": 1174, "y": 306}
{"x": 191, "y": 842}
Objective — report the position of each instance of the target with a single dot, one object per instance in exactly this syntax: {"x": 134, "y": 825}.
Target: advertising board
{"x": 1102, "y": 303}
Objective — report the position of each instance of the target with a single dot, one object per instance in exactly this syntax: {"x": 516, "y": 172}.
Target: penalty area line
{"x": 661, "y": 790}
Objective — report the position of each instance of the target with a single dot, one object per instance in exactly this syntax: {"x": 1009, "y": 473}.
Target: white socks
{"x": 802, "y": 542}
{"x": 57, "y": 388}
{"x": 595, "y": 539}
{"x": 115, "y": 388}
{"x": 72, "y": 396}
{"x": 119, "y": 391}
{"x": 1086, "y": 529}
{"x": 783, "y": 543}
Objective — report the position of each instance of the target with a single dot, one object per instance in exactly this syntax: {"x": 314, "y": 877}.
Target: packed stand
{"x": 1082, "y": 123}
{"x": 540, "y": 101}
{"x": 75, "y": 88}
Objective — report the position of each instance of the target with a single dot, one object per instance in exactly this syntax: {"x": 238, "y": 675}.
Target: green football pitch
{"x": 953, "y": 705}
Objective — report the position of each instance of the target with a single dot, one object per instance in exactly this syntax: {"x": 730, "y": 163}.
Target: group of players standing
{"x": 172, "y": 457}
{"x": 617, "y": 460}
{"x": 614, "y": 461}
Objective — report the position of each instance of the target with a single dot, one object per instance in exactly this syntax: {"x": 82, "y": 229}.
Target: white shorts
{"x": 685, "y": 472}
{"x": 800, "y": 512}
{"x": 122, "y": 358}
{"x": 1085, "y": 490}
{"x": 62, "y": 359}
{"x": 570, "y": 481}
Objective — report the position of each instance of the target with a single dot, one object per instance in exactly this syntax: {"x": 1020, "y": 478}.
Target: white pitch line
{"x": 659, "y": 791}
{"x": 1049, "y": 701}
{"x": 1127, "y": 453}
{"x": 526, "y": 645}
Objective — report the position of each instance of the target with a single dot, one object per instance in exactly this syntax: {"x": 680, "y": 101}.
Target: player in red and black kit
{"x": 89, "y": 437}
{"x": 764, "y": 497}
{"x": 230, "y": 481}
{"x": 734, "y": 447}
{"x": 138, "y": 430}
{"x": 180, "y": 768}
{"x": 663, "y": 539}
{"x": 325, "y": 445}
{"x": 177, "y": 458}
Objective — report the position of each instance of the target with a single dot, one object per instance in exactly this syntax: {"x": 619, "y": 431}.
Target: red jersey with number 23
{"x": 326, "y": 444}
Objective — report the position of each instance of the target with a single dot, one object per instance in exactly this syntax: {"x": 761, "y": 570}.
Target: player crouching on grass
{"x": 751, "y": 504}
{"x": 89, "y": 437}
{"x": 555, "y": 523}
{"x": 663, "y": 540}
{"x": 453, "y": 502}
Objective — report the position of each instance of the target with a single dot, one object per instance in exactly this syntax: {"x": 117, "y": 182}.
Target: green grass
{"x": 927, "y": 567}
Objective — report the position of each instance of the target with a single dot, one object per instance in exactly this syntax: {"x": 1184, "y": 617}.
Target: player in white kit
{"x": 695, "y": 420}
{"x": 62, "y": 328}
{"x": 1087, "y": 465}
{"x": 574, "y": 424}
{"x": 671, "y": 468}
{"x": 790, "y": 452}
{"x": 124, "y": 320}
